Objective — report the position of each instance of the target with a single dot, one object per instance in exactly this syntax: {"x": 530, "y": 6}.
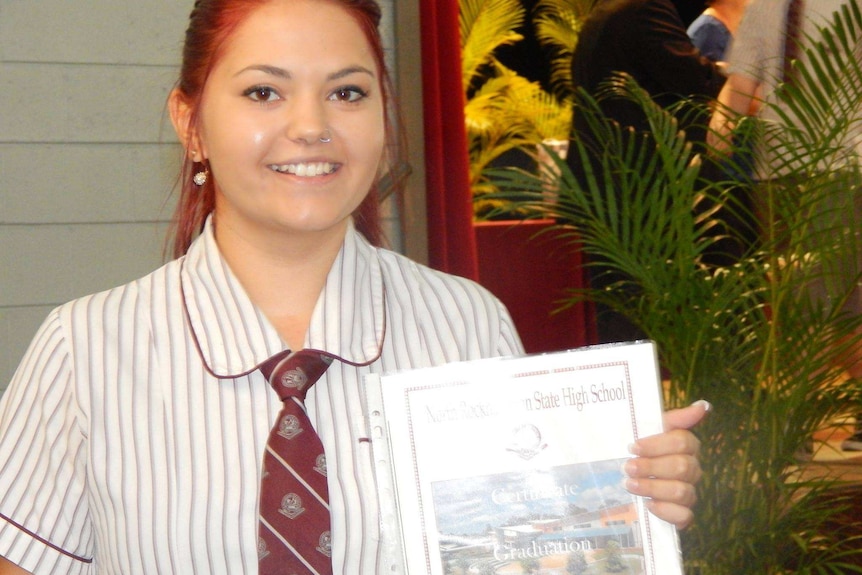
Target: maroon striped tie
{"x": 294, "y": 531}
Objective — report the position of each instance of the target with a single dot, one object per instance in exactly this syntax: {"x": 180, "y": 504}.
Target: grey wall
{"x": 87, "y": 153}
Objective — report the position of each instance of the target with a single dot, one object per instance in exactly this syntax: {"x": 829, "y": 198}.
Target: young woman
{"x": 133, "y": 433}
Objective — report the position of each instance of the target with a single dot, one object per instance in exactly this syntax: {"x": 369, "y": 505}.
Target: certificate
{"x": 513, "y": 465}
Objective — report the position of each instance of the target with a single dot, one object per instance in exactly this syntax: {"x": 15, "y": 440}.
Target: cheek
{"x": 230, "y": 137}
{"x": 372, "y": 161}
{"x": 370, "y": 143}
{"x": 237, "y": 142}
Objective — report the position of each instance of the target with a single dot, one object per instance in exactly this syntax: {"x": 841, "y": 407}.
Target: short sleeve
{"x": 509, "y": 342}
{"x": 758, "y": 44}
{"x": 44, "y": 520}
{"x": 711, "y": 37}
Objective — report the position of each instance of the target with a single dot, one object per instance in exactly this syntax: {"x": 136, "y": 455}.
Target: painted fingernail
{"x": 707, "y": 406}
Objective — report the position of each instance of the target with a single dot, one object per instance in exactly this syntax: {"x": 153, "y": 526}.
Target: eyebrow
{"x": 282, "y": 73}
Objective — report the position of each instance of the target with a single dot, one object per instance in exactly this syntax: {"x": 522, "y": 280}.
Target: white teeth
{"x": 305, "y": 170}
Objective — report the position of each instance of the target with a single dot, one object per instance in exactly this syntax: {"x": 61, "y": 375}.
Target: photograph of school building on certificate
{"x": 567, "y": 520}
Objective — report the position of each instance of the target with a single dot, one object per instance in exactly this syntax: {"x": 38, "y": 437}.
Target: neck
{"x": 283, "y": 275}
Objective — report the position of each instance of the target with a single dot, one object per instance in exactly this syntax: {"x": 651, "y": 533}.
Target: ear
{"x": 181, "y": 118}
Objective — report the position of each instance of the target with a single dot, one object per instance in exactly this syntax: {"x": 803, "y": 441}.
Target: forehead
{"x": 313, "y": 32}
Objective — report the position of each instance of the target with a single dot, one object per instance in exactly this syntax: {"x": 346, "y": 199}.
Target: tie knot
{"x": 292, "y": 374}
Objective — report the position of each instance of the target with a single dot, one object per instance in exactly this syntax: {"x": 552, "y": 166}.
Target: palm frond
{"x": 557, "y": 25}
{"x": 504, "y": 112}
{"x": 485, "y": 26}
{"x": 749, "y": 334}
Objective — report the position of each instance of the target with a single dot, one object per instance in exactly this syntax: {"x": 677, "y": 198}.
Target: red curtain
{"x": 451, "y": 239}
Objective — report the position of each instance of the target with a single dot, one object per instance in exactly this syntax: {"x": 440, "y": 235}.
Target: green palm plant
{"x": 504, "y": 111}
{"x": 558, "y": 24}
{"x": 747, "y": 334}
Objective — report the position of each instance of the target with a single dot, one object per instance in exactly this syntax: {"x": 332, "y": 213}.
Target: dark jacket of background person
{"x": 646, "y": 39}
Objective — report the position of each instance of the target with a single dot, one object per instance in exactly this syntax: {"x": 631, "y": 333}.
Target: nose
{"x": 307, "y": 120}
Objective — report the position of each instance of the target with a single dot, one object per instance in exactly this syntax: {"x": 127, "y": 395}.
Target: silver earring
{"x": 200, "y": 178}
{"x": 327, "y": 137}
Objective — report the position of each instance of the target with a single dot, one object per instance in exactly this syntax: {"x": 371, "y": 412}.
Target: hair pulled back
{"x": 211, "y": 25}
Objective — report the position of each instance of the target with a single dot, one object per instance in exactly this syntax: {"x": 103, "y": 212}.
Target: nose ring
{"x": 326, "y": 137}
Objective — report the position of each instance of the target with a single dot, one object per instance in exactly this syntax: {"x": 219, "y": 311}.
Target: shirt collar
{"x": 233, "y": 336}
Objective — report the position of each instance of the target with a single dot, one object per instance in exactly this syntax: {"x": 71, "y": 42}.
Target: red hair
{"x": 211, "y": 24}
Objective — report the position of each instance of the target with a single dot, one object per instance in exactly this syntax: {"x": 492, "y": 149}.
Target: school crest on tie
{"x": 324, "y": 544}
{"x": 320, "y": 464}
{"x": 289, "y": 427}
{"x": 294, "y": 379}
{"x": 262, "y": 551}
{"x": 291, "y": 506}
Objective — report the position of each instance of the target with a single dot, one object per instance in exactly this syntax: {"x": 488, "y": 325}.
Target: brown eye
{"x": 348, "y": 94}
{"x": 261, "y": 94}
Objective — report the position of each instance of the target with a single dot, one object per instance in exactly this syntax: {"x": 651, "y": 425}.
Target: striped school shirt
{"x": 133, "y": 432}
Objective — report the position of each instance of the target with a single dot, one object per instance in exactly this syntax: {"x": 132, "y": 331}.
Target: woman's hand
{"x": 665, "y": 468}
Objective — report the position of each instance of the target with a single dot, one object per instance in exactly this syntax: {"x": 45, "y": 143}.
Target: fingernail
{"x": 634, "y": 449}
{"x": 629, "y": 468}
{"x": 631, "y": 484}
{"x": 707, "y": 406}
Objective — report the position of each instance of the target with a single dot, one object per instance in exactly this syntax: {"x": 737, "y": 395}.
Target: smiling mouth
{"x": 304, "y": 170}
